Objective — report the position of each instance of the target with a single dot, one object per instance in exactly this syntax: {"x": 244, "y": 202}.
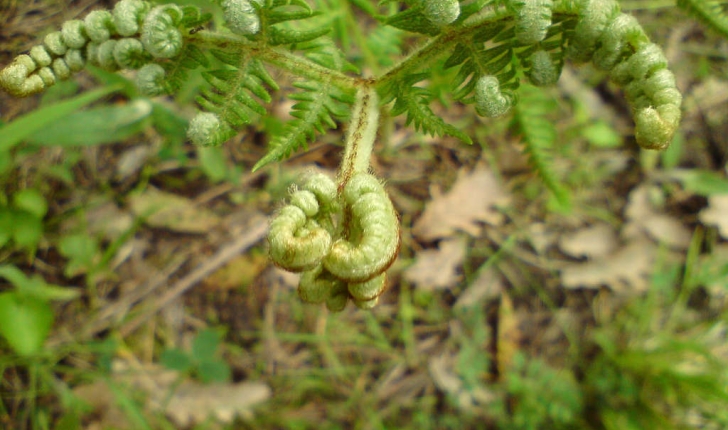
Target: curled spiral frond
{"x": 353, "y": 266}
{"x": 159, "y": 32}
{"x": 241, "y": 16}
{"x": 373, "y": 240}
{"x": 318, "y": 285}
{"x": 128, "y": 16}
{"x": 441, "y": 12}
{"x": 207, "y": 129}
{"x": 615, "y": 42}
{"x": 297, "y": 241}
{"x": 131, "y": 36}
{"x": 150, "y": 80}
{"x": 490, "y": 101}
{"x": 99, "y": 25}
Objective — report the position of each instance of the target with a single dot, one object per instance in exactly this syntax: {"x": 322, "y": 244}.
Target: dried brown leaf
{"x": 717, "y": 213}
{"x": 626, "y": 271}
{"x": 591, "y": 242}
{"x": 436, "y": 269}
{"x": 487, "y": 286}
{"x": 644, "y": 218}
{"x": 172, "y": 212}
{"x": 471, "y": 200}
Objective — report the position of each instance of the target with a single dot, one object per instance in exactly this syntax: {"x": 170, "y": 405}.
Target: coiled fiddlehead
{"x": 490, "y": 101}
{"x": 615, "y": 42}
{"x": 159, "y": 33}
{"x": 131, "y": 36}
{"x": 373, "y": 239}
{"x": 297, "y": 241}
{"x": 300, "y": 239}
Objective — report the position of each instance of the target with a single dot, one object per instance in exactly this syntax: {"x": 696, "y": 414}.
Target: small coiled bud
{"x": 17, "y": 78}
{"x": 441, "y": 12}
{"x": 98, "y": 25}
{"x": 160, "y": 34}
{"x": 74, "y": 59}
{"x": 544, "y": 71}
{"x": 105, "y": 55}
{"x": 40, "y": 55}
{"x": 241, "y": 16}
{"x": 47, "y": 76}
{"x": 129, "y": 54}
{"x": 54, "y": 43}
{"x": 489, "y": 100}
{"x": 317, "y": 284}
{"x": 368, "y": 290}
{"x": 533, "y": 19}
{"x": 128, "y": 15}
{"x": 207, "y": 129}
{"x": 297, "y": 243}
{"x": 150, "y": 80}
{"x": 373, "y": 240}
{"x": 74, "y": 34}
{"x": 61, "y": 69}
{"x": 338, "y": 297}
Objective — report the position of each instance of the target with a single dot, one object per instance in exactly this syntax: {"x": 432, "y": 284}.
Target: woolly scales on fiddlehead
{"x": 342, "y": 236}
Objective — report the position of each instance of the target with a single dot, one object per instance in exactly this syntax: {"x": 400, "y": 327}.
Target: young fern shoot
{"x": 343, "y": 234}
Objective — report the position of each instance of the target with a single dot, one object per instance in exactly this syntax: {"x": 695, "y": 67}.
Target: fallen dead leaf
{"x": 187, "y": 403}
{"x": 591, "y": 242}
{"x": 436, "y": 269}
{"x": 446, "y": 380}
{"x": 626, "y": 271}
{"x": 644, "y": 218}
{"x": 471, "y": 200}
{"x": 193, "y": 403}
{"x": 487, "y": 286}
{"x": 717, "y": 213}
{"x": 172, "y": 212}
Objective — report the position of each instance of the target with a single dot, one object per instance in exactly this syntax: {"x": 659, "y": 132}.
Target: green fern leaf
{"x": 236, "y": 93}
{"x": 710, "y": 12}
{"x": 286, "y": 36}
{"x": 414, "y": 21}
{"x": 539, "y": 135}
{"x": 317, "y": 107}
{"x": 415, "y": 101}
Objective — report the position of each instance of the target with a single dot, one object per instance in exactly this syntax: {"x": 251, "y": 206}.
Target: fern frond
{"x": 235, "y": 94}
{"x": 710, "y": 12}
{"x": 178, "y": 70}
{"x": 415, "y": 101}
{"x": 413, "y": 20}
{"x": 539, "y": 135}
{"x": 318, "y": 105}
{"x": 281, "y": 20}
{"x": 475, "y": 60}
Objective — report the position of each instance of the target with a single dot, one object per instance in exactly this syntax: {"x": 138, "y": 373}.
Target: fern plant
{"x": 343, "y": 233}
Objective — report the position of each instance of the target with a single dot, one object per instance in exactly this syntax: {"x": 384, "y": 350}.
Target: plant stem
{"x": 283, "y": 59}
{"x": 361, "y": 134}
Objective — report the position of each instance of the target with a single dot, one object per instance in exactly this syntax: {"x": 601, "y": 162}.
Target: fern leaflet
{"x": 539, "y": 136}
{"x": 709, "y": 12}
{"x": 317, "y": 105}
{"x": 416, "y": 102}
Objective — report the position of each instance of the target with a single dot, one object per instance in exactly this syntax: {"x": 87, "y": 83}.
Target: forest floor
{"x": 506, "y": 308}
